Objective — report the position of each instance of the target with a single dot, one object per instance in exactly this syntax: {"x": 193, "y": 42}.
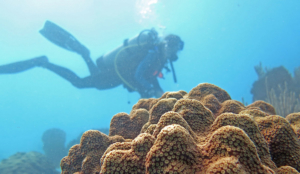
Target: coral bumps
{"x": 200, "y": 132}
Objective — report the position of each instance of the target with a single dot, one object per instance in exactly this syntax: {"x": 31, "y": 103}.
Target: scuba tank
{"x": 130, "y": 54}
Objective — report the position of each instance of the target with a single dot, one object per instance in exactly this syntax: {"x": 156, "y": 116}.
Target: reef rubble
{"x": 202, "y": 132}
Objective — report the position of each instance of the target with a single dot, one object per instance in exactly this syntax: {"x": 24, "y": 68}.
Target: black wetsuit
{"x": 100, "y": 78}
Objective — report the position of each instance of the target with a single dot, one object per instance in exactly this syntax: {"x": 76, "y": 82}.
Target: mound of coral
{"x": 200, "y": 132}
{"x": 27, "y": 163}
{"x": 54, "y": 145}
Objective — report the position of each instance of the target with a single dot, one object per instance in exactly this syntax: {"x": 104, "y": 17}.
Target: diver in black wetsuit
{"x": 137, "y": 64}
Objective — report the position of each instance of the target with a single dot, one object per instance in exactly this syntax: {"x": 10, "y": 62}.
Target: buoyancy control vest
{"x": 123, "y": 61}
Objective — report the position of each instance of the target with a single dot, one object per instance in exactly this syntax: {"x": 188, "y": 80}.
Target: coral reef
{"x": 263, "y": 106}
{"x": 279, "y": 88}
{"x": 271, "y": 79}
{"x": 128, "y": 126}
{"x": 54, "y": 145}
{"x": 27, "y": 163}
{"x": 294, "y": 120}
{"x": 200, "y": 132}
{"x": 285, "y": 102}
{"x": 196, "y": 115}
{"x": 283, "y": 142}
{"x": 86, "y": 155}
{"x": 131, "y": 160}
{"x": 286, "y": 170}
{"x": 244, "y": 122}
{"x": 77, "y": 139}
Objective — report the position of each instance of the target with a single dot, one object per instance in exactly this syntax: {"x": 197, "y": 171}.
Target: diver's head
{"x": 172, "y": 44}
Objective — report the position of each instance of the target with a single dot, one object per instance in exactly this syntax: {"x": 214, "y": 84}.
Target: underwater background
{"x": 224, "y": 40}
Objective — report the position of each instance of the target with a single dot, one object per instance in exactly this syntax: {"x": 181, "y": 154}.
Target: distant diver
{"x": 136, "y": 64}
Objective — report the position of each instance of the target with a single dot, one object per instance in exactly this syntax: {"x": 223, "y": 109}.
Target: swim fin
{"x": 62, "y": 38}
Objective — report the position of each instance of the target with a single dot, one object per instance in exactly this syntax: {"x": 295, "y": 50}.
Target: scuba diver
{"x": 136, "y": 64}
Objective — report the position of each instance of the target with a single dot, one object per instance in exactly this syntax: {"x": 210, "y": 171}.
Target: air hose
{"x": 173, "y": 72}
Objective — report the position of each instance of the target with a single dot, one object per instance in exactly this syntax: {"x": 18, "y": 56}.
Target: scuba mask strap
{"x": 173, "y": 72}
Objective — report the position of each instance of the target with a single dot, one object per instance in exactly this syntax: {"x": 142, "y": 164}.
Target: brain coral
{"x": 176, "y": 151}
{"x": 294, "y": 120}
{"x": 286, "y": 170}
{"x": 200, "y": 132}
{"x": 197, "y": 116}
{"x": 128, "y": 126}
{"x": 86, "y": 156}
{"x": 131, "y": 160}
{"x": 262, "y": 105}
{"x": 283, "y": 142}
{"x": 247, "y": 124}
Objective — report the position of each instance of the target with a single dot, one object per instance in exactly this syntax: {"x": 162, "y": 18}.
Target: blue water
{"x": 224, "y": 40}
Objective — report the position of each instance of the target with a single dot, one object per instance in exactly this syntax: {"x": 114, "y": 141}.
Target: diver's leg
{"x": 70, "y": 76}
{"x": 91, "y": 65}
{"x": 23, "y": 65}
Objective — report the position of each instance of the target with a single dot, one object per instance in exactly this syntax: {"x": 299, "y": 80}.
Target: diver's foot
{"x": 41, "y": 61}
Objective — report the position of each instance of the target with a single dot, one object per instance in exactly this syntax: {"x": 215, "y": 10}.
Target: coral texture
{"x": 131, "y": 160}
{"x": 294, "y": 120}
{"x": 247, "y": 124}
{"x": 86, "y": 156}
{"x": 263, "y": 106}
{"x": 128, "y": 126}
{"x": 200, "y": 132}
{"x": 283, "y": 143}
{"x": 196, "y": 115}
{"x": 286, "y": 170}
